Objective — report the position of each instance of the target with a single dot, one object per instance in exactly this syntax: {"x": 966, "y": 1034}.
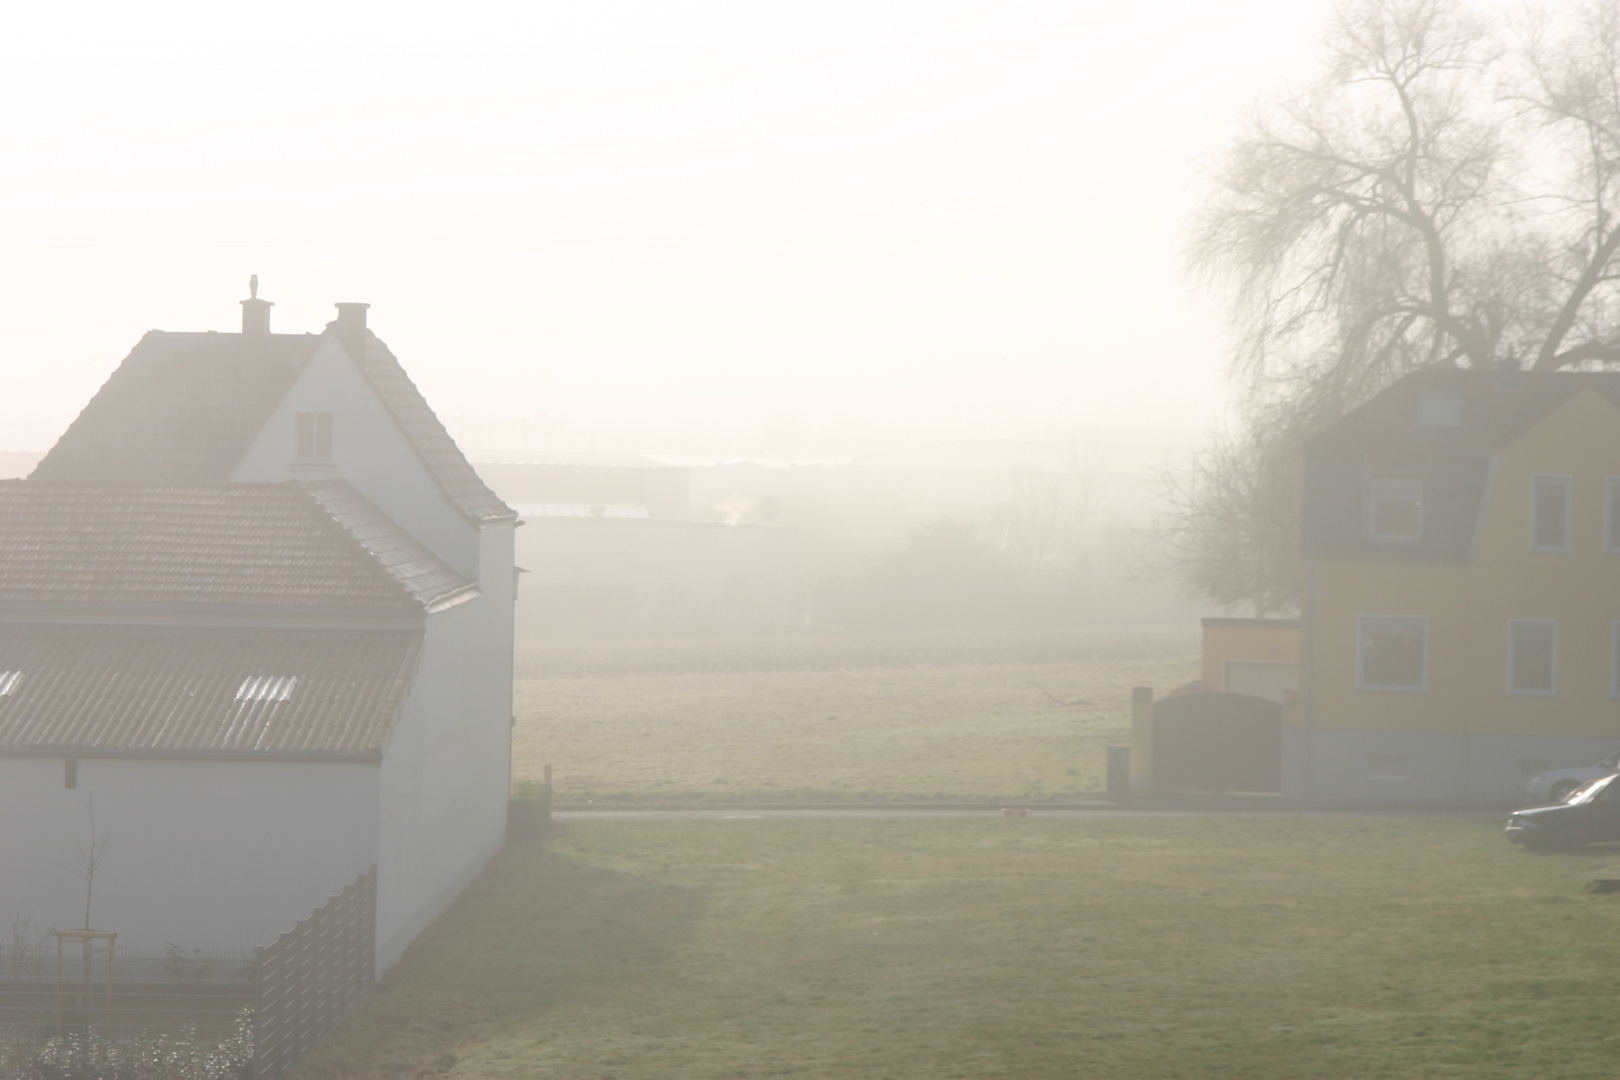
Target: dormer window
{"x": 315, "y": 436}
{"x": 1435, "y": 410}
{"x": 1549, "y": 513}
{"x": 1397, "y": 509}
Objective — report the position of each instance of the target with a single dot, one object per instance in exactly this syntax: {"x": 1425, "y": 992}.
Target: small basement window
{"x": 1388, "y": 767}
{"x": 314, "y": 436}
{"x": 1397, "y": 509}
{"x": 8, "y": 682}
{"x": 266, "y": 688}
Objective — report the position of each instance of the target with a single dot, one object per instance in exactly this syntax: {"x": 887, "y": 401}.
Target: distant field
{"x": 922, "y": 731}
{"x": 1215, "y": 948}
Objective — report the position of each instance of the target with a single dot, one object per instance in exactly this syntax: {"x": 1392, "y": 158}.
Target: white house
{"x": 256, "y": 611}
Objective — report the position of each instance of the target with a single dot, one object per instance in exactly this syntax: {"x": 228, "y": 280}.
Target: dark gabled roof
{"x": 181, "y": 408}
{"x": 141, "y": 691}
{"x": 1496, "y": 407}
{"x": 433, "y": 444}
{"x": 423, "y": 574}
{"x": 1384, "y": 438}
{"x": 185, "y": 407}
{"x": 261, "y": 545}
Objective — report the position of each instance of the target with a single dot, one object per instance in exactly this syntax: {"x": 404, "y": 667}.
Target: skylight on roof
{"x": 9, "y": 681}
{"x": 266, "y": 688}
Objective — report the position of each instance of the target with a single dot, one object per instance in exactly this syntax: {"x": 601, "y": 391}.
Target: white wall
{"x": 368, "y": 450}
{"x": 216, "y": 855}
{"x": 446, "y": 770}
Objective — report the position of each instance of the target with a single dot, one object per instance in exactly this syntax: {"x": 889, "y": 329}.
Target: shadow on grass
{"x": 534, "y": 931}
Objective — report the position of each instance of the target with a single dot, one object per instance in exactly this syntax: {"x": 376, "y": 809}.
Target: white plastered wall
{"x": 445, "y": 771}
{"x": 368, "y": 450}
{"x": 200, "y": 854}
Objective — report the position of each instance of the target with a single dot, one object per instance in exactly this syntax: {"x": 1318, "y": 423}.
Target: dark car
{"x": 1588, "y": 815}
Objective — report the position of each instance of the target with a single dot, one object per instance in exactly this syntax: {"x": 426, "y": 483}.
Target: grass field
{"x": 1153, "y": 948}
{"x": 989, "y": 730}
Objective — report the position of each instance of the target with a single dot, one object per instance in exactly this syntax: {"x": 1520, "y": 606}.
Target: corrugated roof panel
{"x": 140, "y": 690}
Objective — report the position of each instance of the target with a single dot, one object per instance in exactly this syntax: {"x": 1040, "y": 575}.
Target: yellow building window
{"x": 1392, "y": 653}
{"x": 1532, "y": 659}
{"x": 1549, "y": 513}
{"x": 1397, "y": 509}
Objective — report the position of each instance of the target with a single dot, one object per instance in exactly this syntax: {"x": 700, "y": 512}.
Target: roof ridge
{"x": 424, "y": 598}
{"x": 328, "y": 518}
{"x": 467, "y": 492}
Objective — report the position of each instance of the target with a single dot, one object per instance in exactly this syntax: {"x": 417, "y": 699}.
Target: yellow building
{"x": 1460, "y": 624}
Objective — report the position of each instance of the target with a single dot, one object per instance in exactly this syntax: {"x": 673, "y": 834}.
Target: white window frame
{"x": 1611, "y": 508}
{"x": 1361, "y": 636}
{"x": 1400, "y": 483}
{"x": 1614, "y": 660}
{"x": 1552, "y": 659}
{"x": 315, "y": 425}
{"x": 1440, "y": 410}
{"x": 1568, "y": 484}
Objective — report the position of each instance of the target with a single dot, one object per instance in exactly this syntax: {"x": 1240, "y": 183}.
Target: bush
{"x": 144, "y": 1055}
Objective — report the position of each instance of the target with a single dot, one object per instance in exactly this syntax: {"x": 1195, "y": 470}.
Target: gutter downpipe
{"x": 1307, "y": 671}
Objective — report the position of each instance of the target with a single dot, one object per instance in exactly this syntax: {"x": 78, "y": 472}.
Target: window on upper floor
{"x": 1611, "y": 516}
{"x": 1532, "y": 645}
{"x": 1397, "y": 509}
{"x": 1437, "y": 410}
{"x": 1549, "y": 513}
{"x": 314, "y": 436}
{"x": 1392, "y": 652}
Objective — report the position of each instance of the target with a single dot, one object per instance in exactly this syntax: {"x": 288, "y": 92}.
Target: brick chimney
{"x": 351, "y": 328}
{"x": 255, "y": 312}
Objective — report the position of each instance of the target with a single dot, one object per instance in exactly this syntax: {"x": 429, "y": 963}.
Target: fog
{"x": 723, "y": 229}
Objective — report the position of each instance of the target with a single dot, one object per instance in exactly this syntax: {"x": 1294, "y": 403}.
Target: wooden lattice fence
{"x": 312, "y": 975}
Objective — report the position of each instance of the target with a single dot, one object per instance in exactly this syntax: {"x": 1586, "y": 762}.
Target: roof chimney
{"x": 351, "y": 328}
{"x": 255, "y": 312}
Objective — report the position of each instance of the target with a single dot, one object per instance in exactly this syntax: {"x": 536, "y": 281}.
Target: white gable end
{"x": 366, "y": 448}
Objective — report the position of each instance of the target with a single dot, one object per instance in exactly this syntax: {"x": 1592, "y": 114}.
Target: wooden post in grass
{"x": 1142, "y": 742}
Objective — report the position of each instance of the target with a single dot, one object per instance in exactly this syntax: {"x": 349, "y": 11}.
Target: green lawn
{"x": 981, "y": 731}
{"x": 1163, "y": 947}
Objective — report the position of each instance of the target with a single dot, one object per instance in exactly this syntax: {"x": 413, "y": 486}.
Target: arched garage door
{"x": 1216, "y": 742}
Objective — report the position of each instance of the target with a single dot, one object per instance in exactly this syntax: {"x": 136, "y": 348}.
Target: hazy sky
{"x": 795, "y": 228}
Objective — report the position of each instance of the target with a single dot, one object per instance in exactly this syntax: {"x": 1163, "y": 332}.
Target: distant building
{"x": 611, "y": 546}
{"x": 1460, "y": 628}
{"x": 257, "y": 607}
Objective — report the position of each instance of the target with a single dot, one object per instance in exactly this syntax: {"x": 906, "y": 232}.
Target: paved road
{"x": 918, "y": 812}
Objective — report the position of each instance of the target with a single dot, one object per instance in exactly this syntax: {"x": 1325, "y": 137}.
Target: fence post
{"x": 1117, "y": 787}
{"x": 1141, "y": 786}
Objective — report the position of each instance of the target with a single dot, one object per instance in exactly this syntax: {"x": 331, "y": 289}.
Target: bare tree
{"x": 89, "y": 857}
{"x": 1228, "y": 524}
{"x": 1440, "y": 195}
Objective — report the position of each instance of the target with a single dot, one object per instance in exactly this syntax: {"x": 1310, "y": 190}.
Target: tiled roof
{"x": 438, "y": 451}
{"x": 271, "y": 545}
{"x": 423, "y": 574}
{"x": 180, "y": 408}
{"x": 1386, "y": 438}
{"x": 185, "y": 407}
{"x": 186, "y": 692}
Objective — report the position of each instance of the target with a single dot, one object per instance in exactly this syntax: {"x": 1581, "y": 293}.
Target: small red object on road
{"x": 1010, "y": 812}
